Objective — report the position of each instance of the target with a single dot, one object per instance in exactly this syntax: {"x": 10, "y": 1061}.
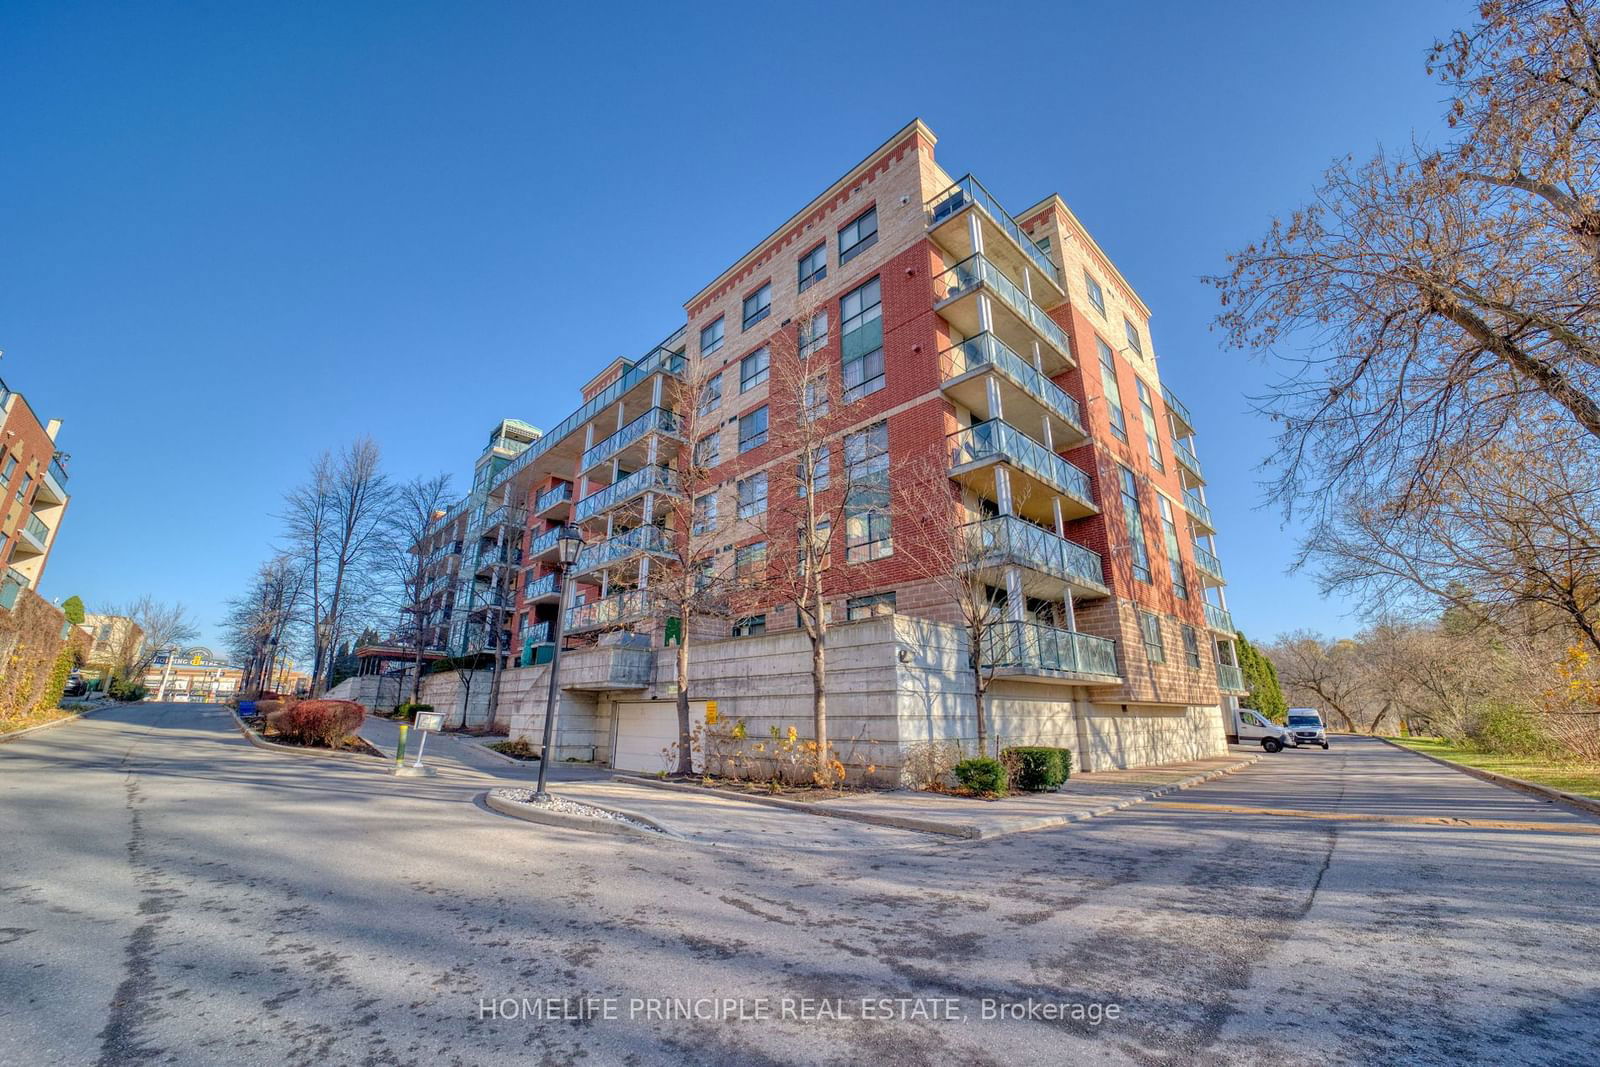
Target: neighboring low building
{"x": 194, "y": 676}
{"x": 115, "y": 639}
{"x": 33, "y": 493}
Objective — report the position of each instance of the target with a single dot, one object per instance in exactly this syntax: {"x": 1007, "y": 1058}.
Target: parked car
{"x": 1307, "y": 727}
{"x": 1252, "y": 726}
{"x": 76, "y": 686}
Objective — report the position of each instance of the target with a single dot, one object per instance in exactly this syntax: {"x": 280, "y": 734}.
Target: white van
{"x": 1251, "y": 726}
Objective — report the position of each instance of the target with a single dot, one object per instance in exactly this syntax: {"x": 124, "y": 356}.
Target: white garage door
{"x": 645, "y": 728}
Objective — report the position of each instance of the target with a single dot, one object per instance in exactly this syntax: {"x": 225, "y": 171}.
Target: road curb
{"x": 945, "y": 828}
{"x": 527, "y": 813}
{"x": 74, "y": 717}
{"x": 296, "y": 750}
{"x": 1586, "y": 805}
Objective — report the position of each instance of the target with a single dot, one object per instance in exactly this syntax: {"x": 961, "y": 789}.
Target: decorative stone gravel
{"x": 569, "y": 807}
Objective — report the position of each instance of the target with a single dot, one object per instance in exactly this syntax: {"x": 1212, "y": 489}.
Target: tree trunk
{"x": 977, "y": 693}
{"x": 685, "y": 742}
{"x": 819, "y": 702}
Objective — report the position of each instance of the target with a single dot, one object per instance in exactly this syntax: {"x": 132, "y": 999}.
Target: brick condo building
{"x": 1007, "y": 344}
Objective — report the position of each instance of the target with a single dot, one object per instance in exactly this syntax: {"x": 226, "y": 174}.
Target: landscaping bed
{"x": 518, "y": 749}
{"x": 256, "y": 725}
{"x": 1580, "y": 778}
{"x": 562, "y": 812}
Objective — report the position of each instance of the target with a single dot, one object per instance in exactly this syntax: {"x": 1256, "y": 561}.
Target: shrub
{"x": 318, "y": 722}
{"x": 56, "y": 685}
{"x": 1508, "y": 731}
{"x": 983, "y": 775}
{"x": 1037, "y": 768}
{"x": 122, "y": 689}
{"x": 927, "y": 764}
{"x": 407, "y": 712}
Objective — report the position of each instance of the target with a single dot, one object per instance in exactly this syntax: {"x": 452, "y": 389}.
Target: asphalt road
{"x": 169, "y": 894}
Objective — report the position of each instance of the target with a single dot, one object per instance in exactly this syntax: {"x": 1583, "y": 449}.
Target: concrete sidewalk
{"x": 462, "y": 755}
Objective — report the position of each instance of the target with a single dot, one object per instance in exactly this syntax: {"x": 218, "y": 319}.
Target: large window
{"x": 749, "y": 560}
{"x": 817, "y": 395}
{"x": 11, "y": 467}
{"x": 711, "y": 395}
{"x": 753, "y": 369}
{"x": 708, "y": 450}
{"x": 758, "y": 305}
{"x": 705, "y": 513}
{"x": 1150, "y": 632}
{"x": 711, "y": 337}
{"x": 750, "y": 626}
{"x": 1169, "y": 532}
{"x": 867, "y": 607}
{"x": 1191, "y": 647}
{"x": 867, "y": 533}
{"x": 1133, "y": 335}
{"x": 1097, "y": 296}
{"x": 861, "y": 341}
{"x": 753, "y": 429}
{"x": 821, "y": 547}
{"x": 858, "y": 235}
{"x": 753, "y": 495}
{"x": 1138, "y": 552}
{"x": 821, "y": 470}
{"x": 813, "y": 334}
{"x": 1152, "y": 439}
{"x": 813, "y": 266}
{"x": 1108, "y": 382}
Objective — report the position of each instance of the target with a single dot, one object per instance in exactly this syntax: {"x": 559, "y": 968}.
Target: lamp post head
{"x": 569, "y": 542}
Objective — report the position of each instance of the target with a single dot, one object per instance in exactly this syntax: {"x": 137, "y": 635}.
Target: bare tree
{"x": 308, "y": 525}
{"x": 161, "y": 626}
{"x": 415, "y": 507}
{"x": 258, "y": 620}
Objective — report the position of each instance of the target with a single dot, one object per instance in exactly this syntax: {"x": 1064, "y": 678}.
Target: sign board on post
{"x": 429, "y": 722}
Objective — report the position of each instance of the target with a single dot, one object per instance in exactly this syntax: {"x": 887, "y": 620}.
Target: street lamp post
{"x": 568, "y": 543}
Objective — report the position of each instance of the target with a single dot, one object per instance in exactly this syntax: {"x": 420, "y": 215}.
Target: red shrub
{"x": 319, "y": 722}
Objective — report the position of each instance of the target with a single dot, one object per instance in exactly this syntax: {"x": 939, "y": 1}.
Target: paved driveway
{"x": 170, "y": 894}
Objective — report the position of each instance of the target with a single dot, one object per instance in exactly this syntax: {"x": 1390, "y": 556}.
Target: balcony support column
{"x": 1002, "y": 489}
{"x": 985, "y": 314}
{"x": 975, "y": 232}
{"x": 1072, "y": 612}
{"x": 1061, "y": 525}
{"x": 991, "y": 391}
{"x": 1016, "y": 599}
{"x": 1027, "y": 281}
{"x": 655, "y": 391}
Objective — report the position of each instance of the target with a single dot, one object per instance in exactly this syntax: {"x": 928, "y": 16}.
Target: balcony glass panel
{"x": 1193, "y": 505}
{"x": 537, "y": 634}
{"x": 38, "y": 529}
{"x": 1186, "y": 456}
{"x": 1231, "y": 678}
{"x": 998, "y": 440}
{"x": 611, "y": 610}
{"x": 1207, "y": 562}
{"x": 12, "y": 583}
{"x": 975, "y": 271}
{"x": 652, "y": 539}
{"x": 970, "y": 190}
{"x": 656, "y": 419}
{"x": 1008, "y": 539}
{"x": 987, "y": 349}
{"x": 1035, "y": 646}
{"x": 1218, "y": 618}
{"x": 639, "y": 481}
{"x": 1176, "y": 406}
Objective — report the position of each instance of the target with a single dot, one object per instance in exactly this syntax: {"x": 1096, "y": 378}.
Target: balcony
{"x": 608, "y": 667}
{"x": 491, "y": 557}
{"x": 1183, "y": 421}
{"x": 543, "y": 547}
{"x": 1027, "y": 396}
{"x": 1037, "y": 650}
{"x": 1208, "y": 565}
{"x": 642, "y": 540}
{"x": 545, "y": 588}
{"x": 1052, "y": 566}
{"x": 33, "y": 539}
{"x": 1042, "y": 475}
{"x": 656, "y": 420}
{"x": 646, "y": 479}
{"x": 490, "y": 600}
{"x": 1199, "y": 512}
{"x": 537, "y": 634}
{"x": 500, "y": 516}
{"x": 12, "y": 583}
{"x": 1231, "y": 679}
{"x": 552, "y": 501}
{"x": 1188, "y": 465}
{"x": 1219, "y": 619}
{"x": 1017, "y": 320}
{"x": 615, "y": 610}
{"x": 52, "y": 486}
{"x": 1003, "y": 240}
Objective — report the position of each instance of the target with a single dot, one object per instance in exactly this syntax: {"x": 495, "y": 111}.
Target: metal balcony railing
{"x": 655, "y": 420}
{"x": 1187, "y": 457}
{"x": 544, "y": 542}
{"x": 537, "y": 634}
{"x": 987, "y": 349}
{"x": 1177, "y": 407}
{"x": 545, "y": 586}
{"x": 641, "y": 480}
{"x": 551, "y": 497}
{"x": 1194, "y": 506}
{"x": 1207, "y": 562}
{"x": 969, "y": 190}
{"x": 650, "y": 539}
{"x": 1008, "y": 539}
{"x": 611, "y": 611}
{"x": 1218, "y": 618}
{"x": 1033, "y": 646}
{"x": 505, "y": 513}
{"x": 1000, "y": 440}
{"x": 975, "y": 271}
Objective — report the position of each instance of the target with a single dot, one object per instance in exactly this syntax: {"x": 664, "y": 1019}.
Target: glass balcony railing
{"x": 1177, "y": 407}
{"x": 611, "y": 611}
{"x": 1218, "y": 618}
{"x": 999, "y": 440}
{"x": 1194, "y": 506}
{"x": 505, "y": 513}
{"x": 666, "y": 358}
{"x": 545, "y": 586}
{"x": 641, "y": 480}
{"x": 969, "y": 190}
{"x": 1008, "y": 539}
{"x": 1207, "y": 562}
{"x": 975, "y": 271}
{"x": 58, "y": 470}
{"x": 651, "y": 539}
{"x": 537, "y": 634}
{"x": 1187, "y": 457}
{"x": 556, "y": 494}
{"x": 988, "y": 350}
{"x": 1231, "y": 678}
{"x": 37, "y": 529}
{"x": 1033, "y": 646}
{"x": 654, "y": 420}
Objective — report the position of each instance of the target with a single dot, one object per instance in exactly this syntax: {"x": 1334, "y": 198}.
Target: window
{"x": 753, "y": 369}
{"x": 861, "y": 341}
{"x": 1152, "y": 439}
{"x": 1169, "y": 531}
{"x": 1150, "y": 631}
{"x": 1191, "y": 647}
{"x": 705, "y": 514}
{"x": 868, "y": 607}
{"x": 858, "y": 235}
{"x": 711, "y": 337}
{"x": 753, "y": 429}
{"x": 817, "y": 397}
{"x": 867, "y": 533}
{"x": 1108, "y": 382}
{"x": 800, "y": 619}
{"x": 1043, "y": 243}
{"x": 1133, "y": 335}
{"x": 821, "y": 547}
{"x": 748, "y": 561}
{"x": 813, "y": 334}
{"x": 813, "y": 266}
{"x": 711, "y": 395}
{"x": 750, "y": 626}
{"x": 1138, "y": 553}
{"x": 1097, "y": 296}
{"x": 758, "y": 305}
{"x": 753, "y": 495}
{"x": 821, "y": 470}
{"x": 11, "y": 467}
{"x": 708, "y": 450}
{"x": 22, "y": 490}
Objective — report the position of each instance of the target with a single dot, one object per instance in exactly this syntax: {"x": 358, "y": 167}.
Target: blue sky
{"x": 232, "y": 235}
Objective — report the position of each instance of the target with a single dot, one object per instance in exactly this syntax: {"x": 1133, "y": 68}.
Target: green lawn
{"x": 1579, "y": 778}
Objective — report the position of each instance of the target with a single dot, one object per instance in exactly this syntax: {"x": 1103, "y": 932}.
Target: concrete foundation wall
{"x": 446, "y": 692}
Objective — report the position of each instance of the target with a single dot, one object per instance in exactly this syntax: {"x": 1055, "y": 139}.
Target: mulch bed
{"x": 792, "y": 792}
{"x": 351, "y": 743}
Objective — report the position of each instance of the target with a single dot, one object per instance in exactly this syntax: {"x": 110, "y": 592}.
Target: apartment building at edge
{"x": 1012, "y": 346}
